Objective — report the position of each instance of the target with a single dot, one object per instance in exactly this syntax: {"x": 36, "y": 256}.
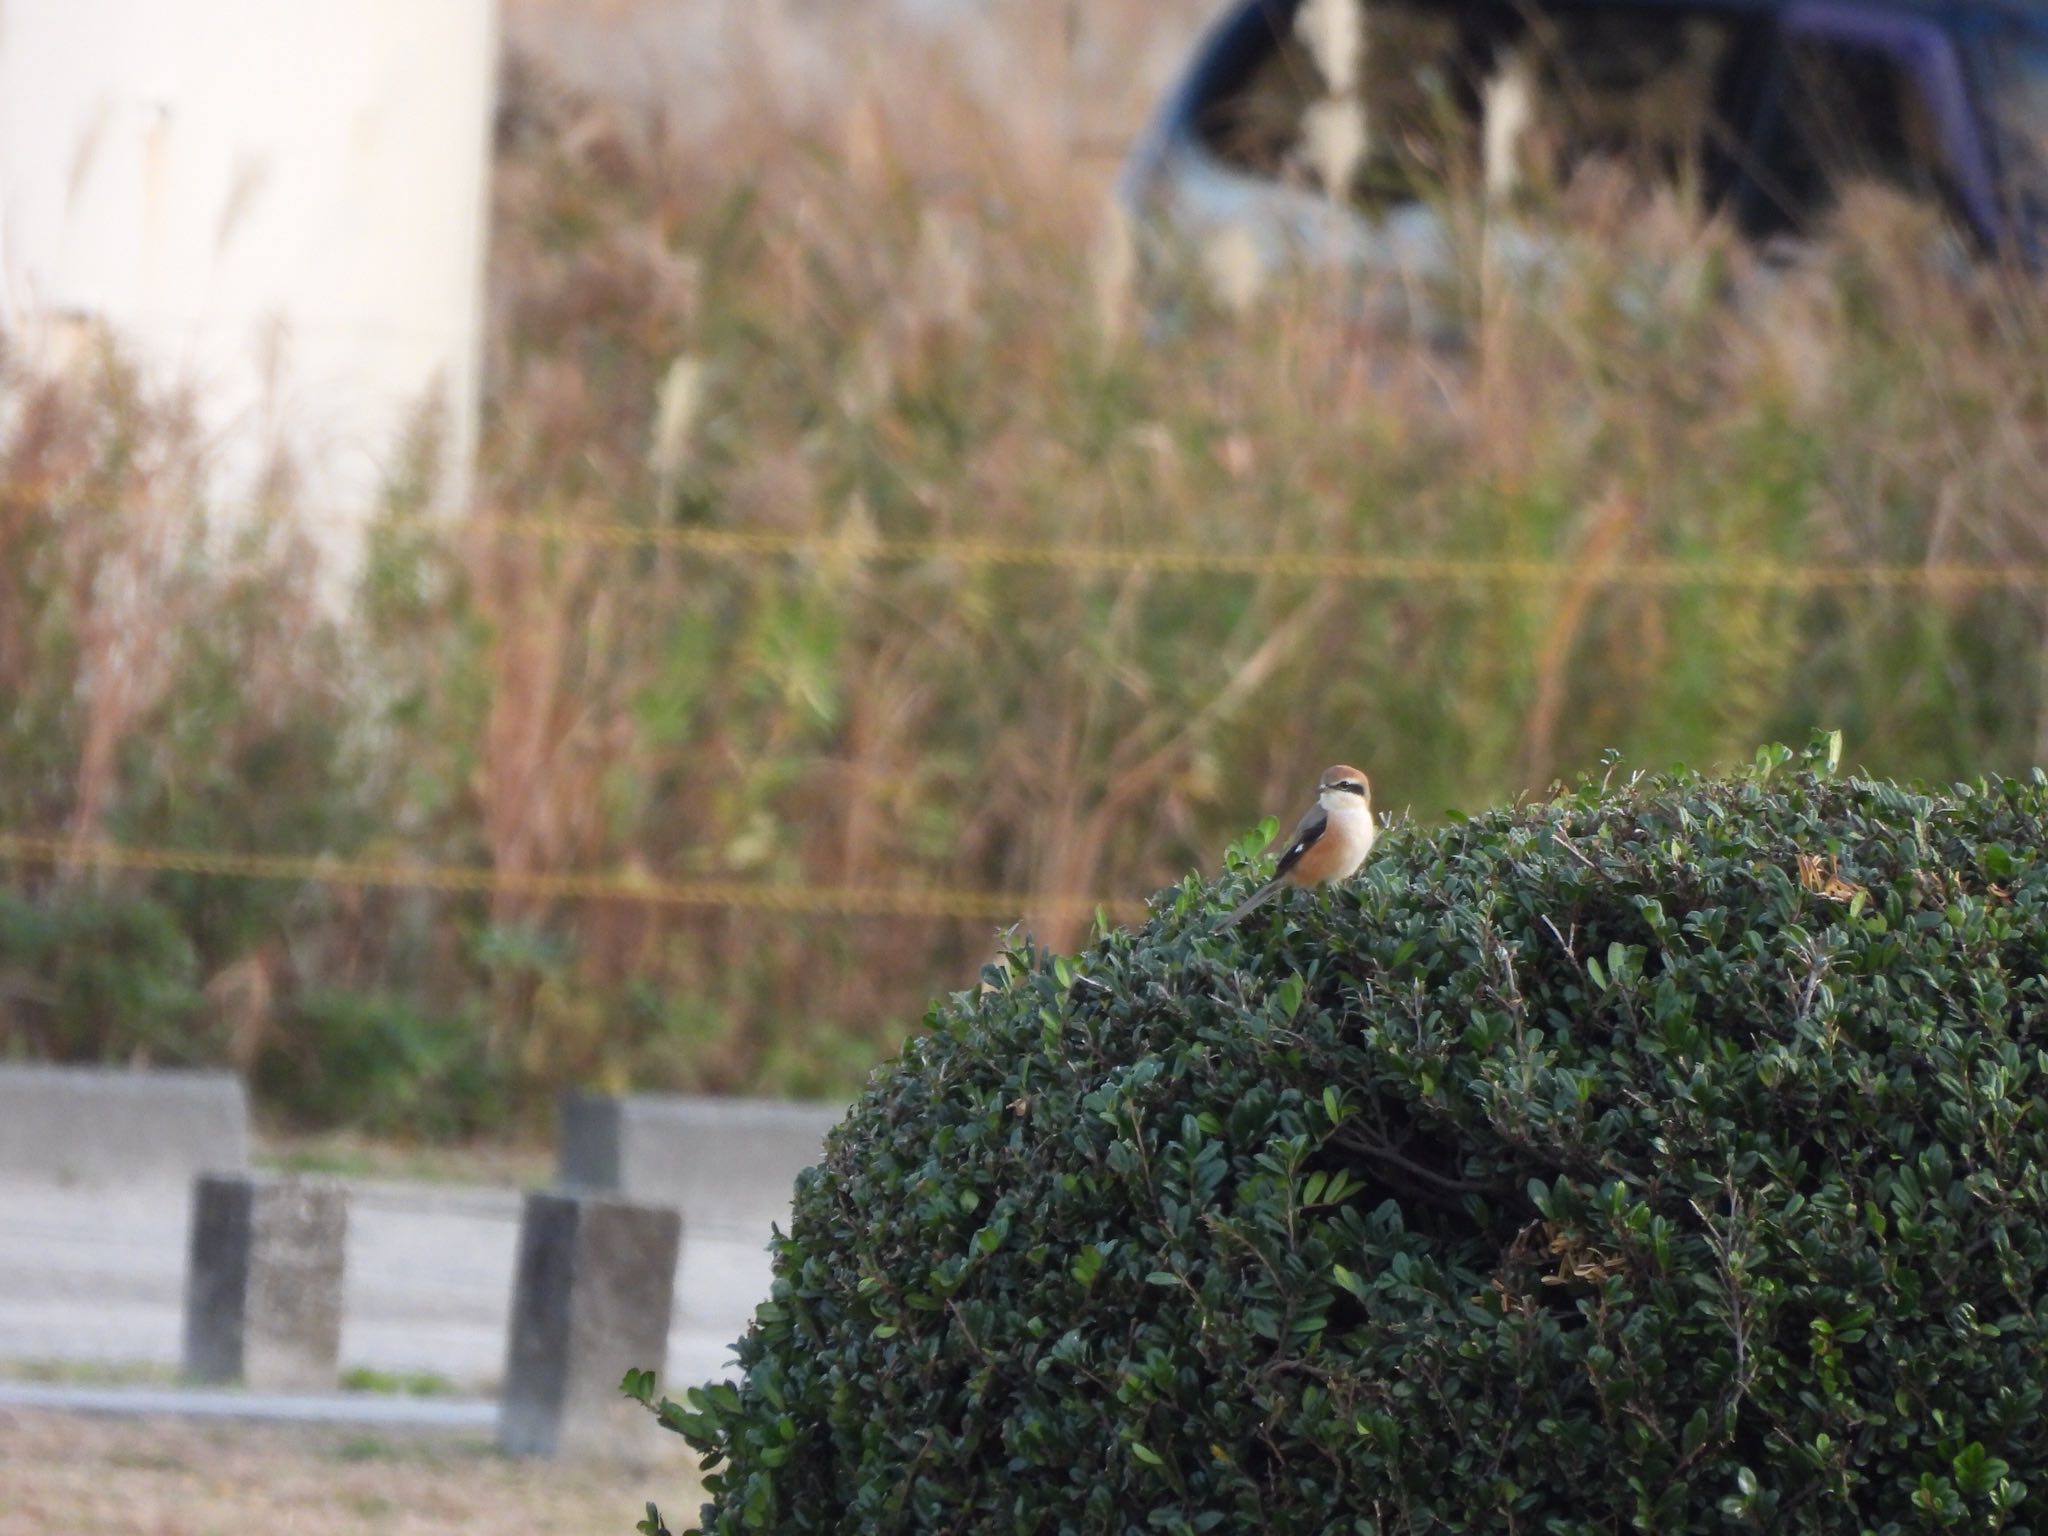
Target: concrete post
{"x": 263, "y": 1286}
{"x": 591, "y": 1299}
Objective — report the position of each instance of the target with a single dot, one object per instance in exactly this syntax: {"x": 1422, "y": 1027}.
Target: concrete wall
{"x": 279, "y": 202}
{"x": 114, "y": 1125}
{"x": 729, "y": 1165}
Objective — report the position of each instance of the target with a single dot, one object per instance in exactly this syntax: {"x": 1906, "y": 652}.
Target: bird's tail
{"x": 1256, "y": 899}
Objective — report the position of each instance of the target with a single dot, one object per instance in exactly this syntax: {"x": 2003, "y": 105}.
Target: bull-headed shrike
{"x": 1329, "y": 843}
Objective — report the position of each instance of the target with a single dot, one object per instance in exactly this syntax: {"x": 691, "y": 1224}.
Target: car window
{"x": 1634, "y": 93}
{"x": 1864, "y": 95}
{"x": 1851, "y": 114}
{"x": 1415, "y": 94}
{"x": 1458, "y": 99}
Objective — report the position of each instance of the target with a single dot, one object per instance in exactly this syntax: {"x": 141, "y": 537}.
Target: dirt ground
{"x": 62, "y": 1475}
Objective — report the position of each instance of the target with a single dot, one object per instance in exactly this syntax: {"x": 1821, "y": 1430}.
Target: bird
{"x": 1328, "y": 843}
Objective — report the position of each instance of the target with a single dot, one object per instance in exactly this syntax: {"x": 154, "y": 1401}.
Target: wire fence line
{"x": 861, "y": 546}
{"x": 1308, "y": 565}
{"x": 932, "y": 903}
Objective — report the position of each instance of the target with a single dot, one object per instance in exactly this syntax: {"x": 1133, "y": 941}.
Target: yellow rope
{"x": 939, "y": 903}
{"x": 1391, "y": 570}
{"x": 733, "y": 543}
{"x": 824, "y": 901}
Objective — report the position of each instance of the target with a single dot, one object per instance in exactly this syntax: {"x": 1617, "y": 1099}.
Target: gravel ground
{"x": 62, "y": 1475}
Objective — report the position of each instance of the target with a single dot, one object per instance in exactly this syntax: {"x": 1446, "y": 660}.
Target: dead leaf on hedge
{"x": 1823, "y": 877}
{"x": 1505, "y": 1299}
{"x": 1579, "y": 1260}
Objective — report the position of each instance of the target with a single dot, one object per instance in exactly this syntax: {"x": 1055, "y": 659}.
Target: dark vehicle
{"x": 1336, "y": 129}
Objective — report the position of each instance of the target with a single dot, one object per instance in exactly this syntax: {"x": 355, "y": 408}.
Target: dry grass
{"x": 72, "y": 1476}
{"x": 856, "y": 287}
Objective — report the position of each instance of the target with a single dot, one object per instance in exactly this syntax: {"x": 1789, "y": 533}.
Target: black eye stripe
{"x": 1349, "y": 786}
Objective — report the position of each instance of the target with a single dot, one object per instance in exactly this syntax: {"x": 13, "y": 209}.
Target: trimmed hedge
{"x": 1666, "y": 1157}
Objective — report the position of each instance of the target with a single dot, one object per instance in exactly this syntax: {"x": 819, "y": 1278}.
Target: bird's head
{"x": 1344, "y": 788}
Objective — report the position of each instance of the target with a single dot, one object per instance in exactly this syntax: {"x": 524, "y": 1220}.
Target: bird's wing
{"x": 1307, "y": 833}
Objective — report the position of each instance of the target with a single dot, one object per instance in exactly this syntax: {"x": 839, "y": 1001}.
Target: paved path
{"x": 97, "y": 1276}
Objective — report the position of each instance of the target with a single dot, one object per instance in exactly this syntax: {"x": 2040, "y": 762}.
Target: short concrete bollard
{"x": 590, "y": 1300}
{"x": 263, "y": 1288}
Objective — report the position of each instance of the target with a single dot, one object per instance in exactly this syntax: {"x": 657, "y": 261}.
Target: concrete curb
{"x": 199, "y": 1403}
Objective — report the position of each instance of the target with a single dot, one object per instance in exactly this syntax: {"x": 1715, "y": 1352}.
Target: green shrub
{"x": 91, "y": 975}
{"x": 1664, "y": 1157}
{"x": 380, "y": 1066}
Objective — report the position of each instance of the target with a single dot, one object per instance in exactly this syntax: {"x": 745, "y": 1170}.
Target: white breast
{"x": 1349, "y": 838}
